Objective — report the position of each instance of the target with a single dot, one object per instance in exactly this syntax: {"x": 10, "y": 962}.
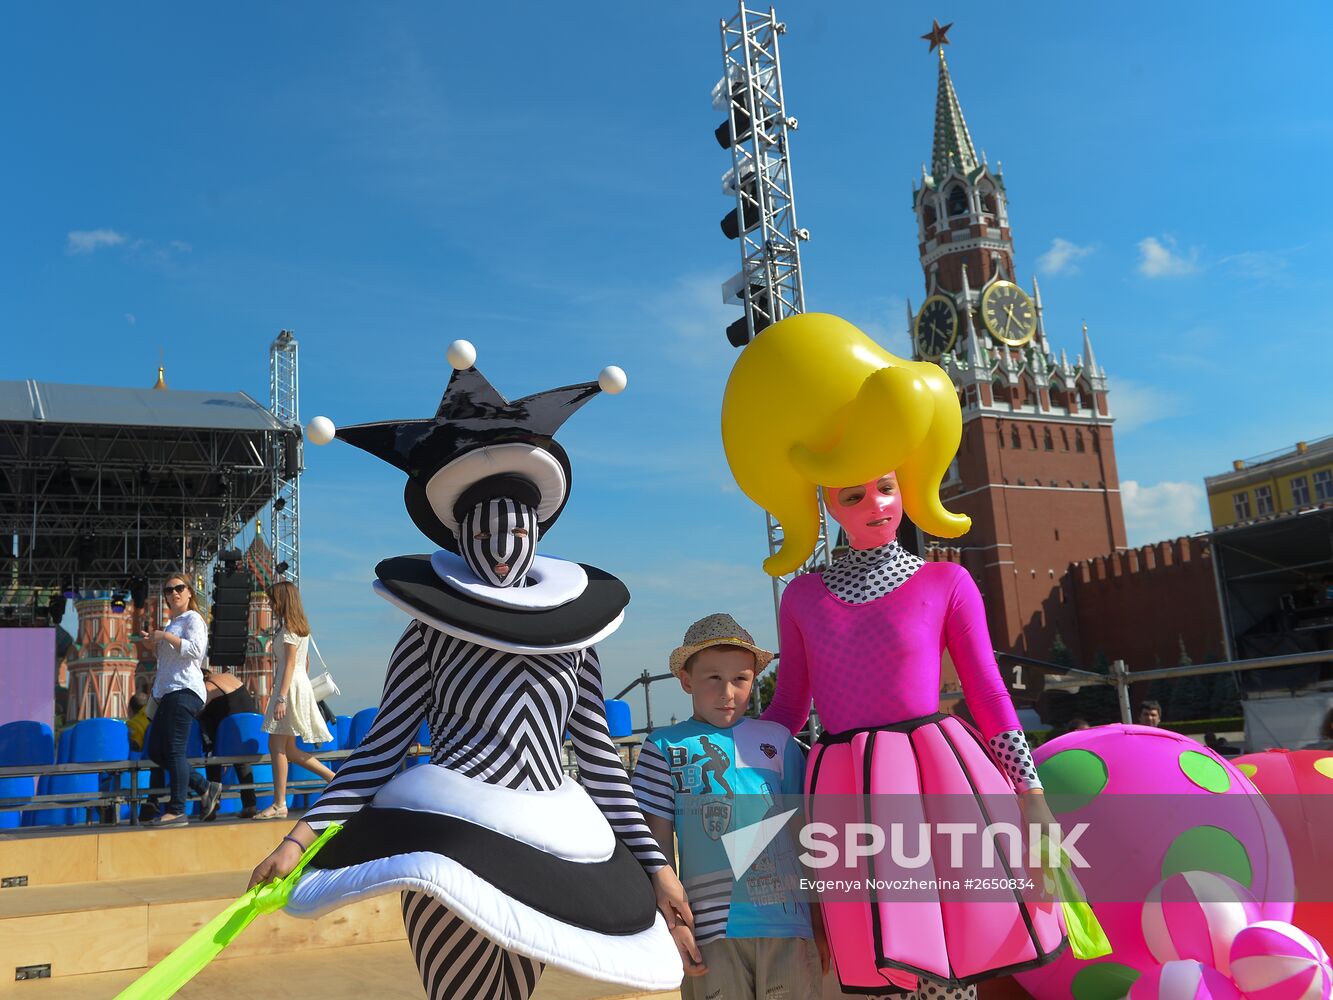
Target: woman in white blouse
{"x": 292, "y": 709}
{"x": 178, "y": 688}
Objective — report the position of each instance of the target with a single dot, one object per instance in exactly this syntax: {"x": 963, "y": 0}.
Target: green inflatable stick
{"x": 1086, "y": 937}
{"x": 186, "y": 962}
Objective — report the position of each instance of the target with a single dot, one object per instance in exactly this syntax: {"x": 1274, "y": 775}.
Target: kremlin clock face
{"x": 1008, "y": 313}
{"x": 936, "y": 328}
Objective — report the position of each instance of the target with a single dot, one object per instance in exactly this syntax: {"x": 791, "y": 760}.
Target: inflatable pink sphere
{"x": 1273, "y": 960}
{"x": 1157, "y": 804}
{"x": 1183, "y": 980}
{"x": 1196, "y": 915}
{"x": 1298, "y": 785}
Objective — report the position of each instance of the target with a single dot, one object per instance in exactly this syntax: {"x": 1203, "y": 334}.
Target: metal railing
{"x": 1063, "y": 678}
{"x": 134, "y": 796}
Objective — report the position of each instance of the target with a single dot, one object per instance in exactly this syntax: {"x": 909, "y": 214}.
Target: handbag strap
{"x": 315, "y": 646}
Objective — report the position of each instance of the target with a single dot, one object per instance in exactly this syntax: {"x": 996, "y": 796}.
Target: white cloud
{"x": 1164, "y": 510}
{"x": 1162, "y": 259}
{"x": 1135, "y": 405}
{"x": 1062, "y": 257}
{"x": 88, "y": 240}
{"x": 180, "y": 246}
{"x": 131, "y": 319}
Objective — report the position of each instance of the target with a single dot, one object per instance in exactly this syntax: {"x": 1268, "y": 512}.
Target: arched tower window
{"x": 1046, "y": 441}
{"x": 989, "y": 204}
{"x": 1064, "y": 439}
{"x": 1032, "y": 433}
{"x": 956, "y": 201}
{"x": 1014, "y": 439}
{"x": 1000, "y": 432}
{"x": 1078, "y": 441}
{"x": 928, "y": 216}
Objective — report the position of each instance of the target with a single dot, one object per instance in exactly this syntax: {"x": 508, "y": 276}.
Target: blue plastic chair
{"x": 240, "y": 734}
{"x": 23, "y": 743}
{"x": 344, "y": 733}
{"x": 361, "y": 723}
{"x": 95, "y": 740}
{"x": 618, "y": 719}
{"x": 59, "y": 784}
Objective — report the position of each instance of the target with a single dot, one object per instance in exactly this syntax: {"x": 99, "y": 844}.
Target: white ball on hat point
{"x": 461, "y": 354}
{"x": 612, "y": 379}
{"x": 320, "y": 430}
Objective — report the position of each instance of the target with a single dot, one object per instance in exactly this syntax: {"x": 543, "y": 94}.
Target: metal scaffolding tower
{"x": 285, "y": 515}
{"x": 757, "y": 132}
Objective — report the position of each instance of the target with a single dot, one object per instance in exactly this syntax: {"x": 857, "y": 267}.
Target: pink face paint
{"x": 870, "y": 513}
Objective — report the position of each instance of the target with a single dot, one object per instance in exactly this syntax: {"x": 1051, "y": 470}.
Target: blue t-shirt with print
{"x": 709, "y": 782}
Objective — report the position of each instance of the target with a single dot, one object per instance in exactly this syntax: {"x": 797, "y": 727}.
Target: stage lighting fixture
{"x": 738, "y": 333}
{"x": 139, "y": 592}
{"x": 731, "y": 222}
{"x": 281, "y": 568}
{"x": 55, "y": 608}
{"x": 279, "y": 504}
{"x": 723, "y": 133}
{"x": 291, "y": 456}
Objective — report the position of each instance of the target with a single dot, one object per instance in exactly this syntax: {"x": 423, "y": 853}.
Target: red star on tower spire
{"x": 937, "y": 35}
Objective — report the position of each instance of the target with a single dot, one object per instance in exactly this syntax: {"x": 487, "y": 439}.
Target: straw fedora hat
{"x": 716, "y": 630}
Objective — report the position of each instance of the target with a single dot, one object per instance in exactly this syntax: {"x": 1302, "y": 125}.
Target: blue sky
{"x": 543, "y": 181}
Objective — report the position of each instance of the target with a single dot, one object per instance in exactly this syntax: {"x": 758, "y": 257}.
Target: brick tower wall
{"x": 1140, "y": 605}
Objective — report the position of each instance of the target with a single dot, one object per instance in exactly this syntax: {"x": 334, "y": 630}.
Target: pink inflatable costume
{"x": 872, "y": 669}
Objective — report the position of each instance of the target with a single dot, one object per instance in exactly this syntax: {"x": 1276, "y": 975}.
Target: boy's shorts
{"x": 757, "y": 969}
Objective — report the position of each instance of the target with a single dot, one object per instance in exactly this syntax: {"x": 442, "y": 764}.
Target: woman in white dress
{"x": 292, "y": 710}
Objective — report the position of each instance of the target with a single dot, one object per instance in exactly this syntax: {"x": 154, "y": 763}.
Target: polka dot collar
{"x": 863, "y": 575}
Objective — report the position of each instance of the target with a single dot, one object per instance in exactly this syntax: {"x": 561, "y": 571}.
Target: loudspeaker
{"x": 231, "y": 615}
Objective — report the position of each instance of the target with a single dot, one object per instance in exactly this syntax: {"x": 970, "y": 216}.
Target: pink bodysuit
{"x": 873, "y": 664}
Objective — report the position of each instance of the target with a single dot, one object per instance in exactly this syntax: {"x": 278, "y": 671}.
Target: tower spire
{"x": 953, "y": 144}
{"x": 1089, "y": 361}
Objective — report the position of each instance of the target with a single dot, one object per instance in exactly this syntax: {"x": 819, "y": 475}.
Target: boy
{"x": 715, "y": 773}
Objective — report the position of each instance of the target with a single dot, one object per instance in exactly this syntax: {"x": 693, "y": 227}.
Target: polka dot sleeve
{"x": 1011, "y": 751}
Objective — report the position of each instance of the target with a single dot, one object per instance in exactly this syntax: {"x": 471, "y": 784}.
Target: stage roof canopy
{"x": 51, "y": 402}
{"x": 100, "y": 483}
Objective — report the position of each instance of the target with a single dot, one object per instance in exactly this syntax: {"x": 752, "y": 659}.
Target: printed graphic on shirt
{"x": 710, "y": 782}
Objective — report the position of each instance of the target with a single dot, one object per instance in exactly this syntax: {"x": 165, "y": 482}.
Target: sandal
{"x": 272, "y": 812}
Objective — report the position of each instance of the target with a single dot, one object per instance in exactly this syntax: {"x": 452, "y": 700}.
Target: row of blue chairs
{"x": 95, "y": 741}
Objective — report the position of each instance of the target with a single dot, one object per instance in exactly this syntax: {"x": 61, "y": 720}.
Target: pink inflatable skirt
{"x": 932, "y": 770}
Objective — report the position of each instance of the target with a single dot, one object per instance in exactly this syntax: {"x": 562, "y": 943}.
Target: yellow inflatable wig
{"x": 814, "y": 402}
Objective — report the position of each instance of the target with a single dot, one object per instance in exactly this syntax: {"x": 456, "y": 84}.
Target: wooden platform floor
{"x": 371, "y": 971}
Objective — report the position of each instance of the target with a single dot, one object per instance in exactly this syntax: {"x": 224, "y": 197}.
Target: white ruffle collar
{"x": 551, "y": 583}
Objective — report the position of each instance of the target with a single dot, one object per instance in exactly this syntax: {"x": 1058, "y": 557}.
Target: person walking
{"x": 292, "y": 710}
{"x": 178, "y": 688}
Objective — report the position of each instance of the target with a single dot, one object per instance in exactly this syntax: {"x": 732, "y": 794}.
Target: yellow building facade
{"x": 1281, "y": 482}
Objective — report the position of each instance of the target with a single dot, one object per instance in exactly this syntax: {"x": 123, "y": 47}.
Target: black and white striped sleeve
{"x": 601, "y": 771}
{"x": 376, "y": 760}
{"x": 652, "y": 785}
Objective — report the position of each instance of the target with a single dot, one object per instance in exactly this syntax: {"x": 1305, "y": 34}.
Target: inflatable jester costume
{"x": 503, "y": 862}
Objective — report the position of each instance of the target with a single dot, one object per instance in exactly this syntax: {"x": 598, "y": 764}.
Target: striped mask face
{"x": 498, "y": 541}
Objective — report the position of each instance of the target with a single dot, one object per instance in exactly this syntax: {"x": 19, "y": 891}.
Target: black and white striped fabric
{"x": 495, "y": 716}
{"x": 860, "y": 576}
{"x": 499, "y": 718}
{"x": 499, "y": 532}
{"x": 709, "y": 894}
{"x": 455, "y": 961}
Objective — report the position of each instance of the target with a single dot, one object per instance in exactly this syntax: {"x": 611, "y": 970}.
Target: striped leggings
{"x": 456, "y": 960}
